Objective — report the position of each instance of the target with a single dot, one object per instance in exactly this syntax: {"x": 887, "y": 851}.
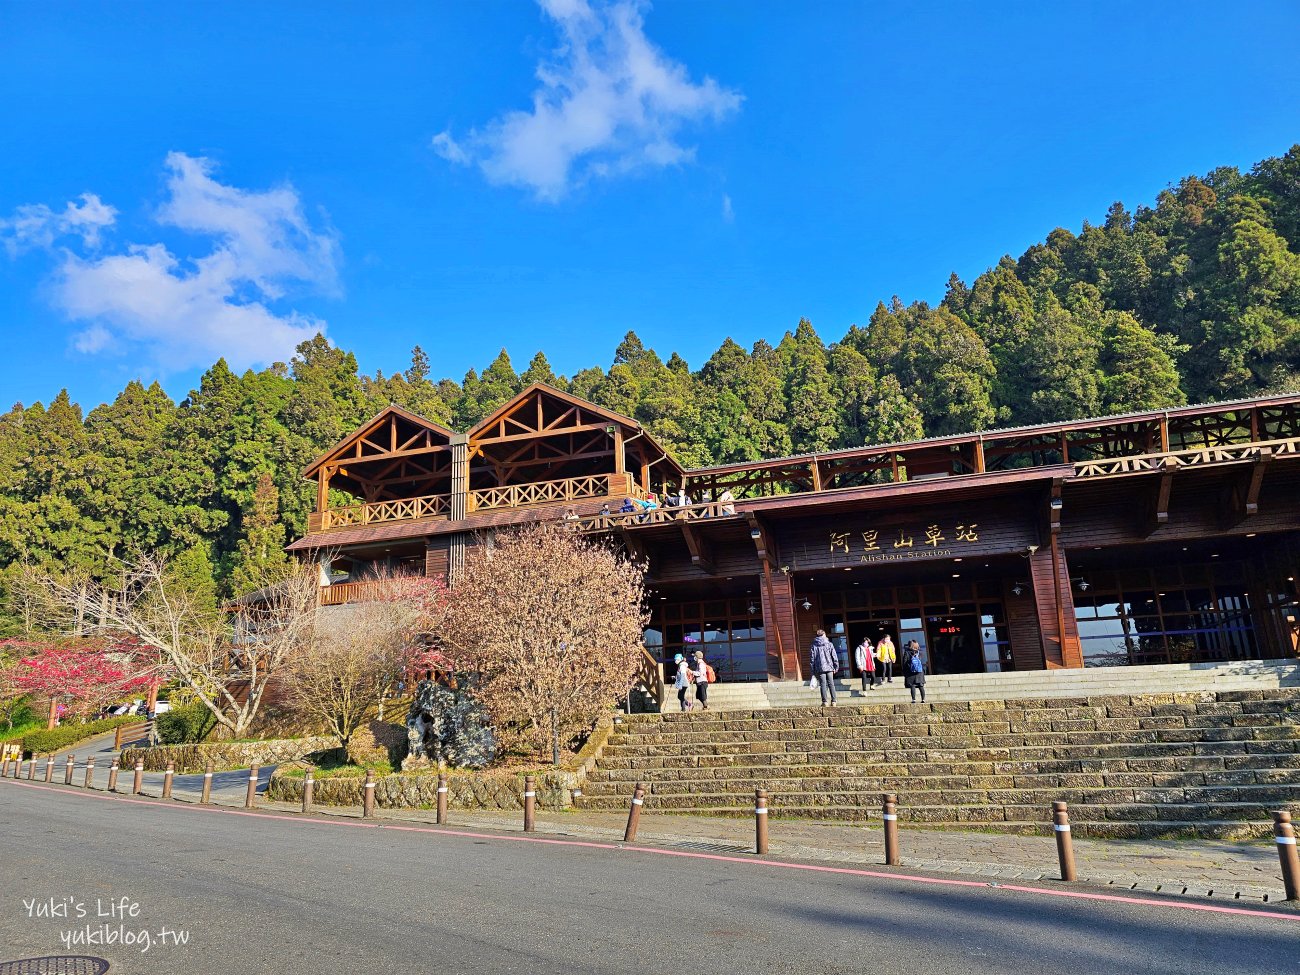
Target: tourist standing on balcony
{"x": 865, "y": 657}
{"x": 728, "y": 502}
{"x": 682, "y": 681}
{"x": 824, "y": 663}
{"x": 886, "y": 655}
{"x": 704, "y": 676}
{"x": 914, "y": 670}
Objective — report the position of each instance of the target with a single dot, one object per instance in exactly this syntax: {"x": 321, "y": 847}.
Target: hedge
{"x": 47, "y": 742}
{"x": 185, "y": 725}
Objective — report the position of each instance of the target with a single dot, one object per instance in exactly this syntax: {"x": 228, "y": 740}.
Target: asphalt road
{"x": 263, "y": 893}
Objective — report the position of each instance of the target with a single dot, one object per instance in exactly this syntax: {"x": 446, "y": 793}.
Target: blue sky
{"x": 181, "y": 181}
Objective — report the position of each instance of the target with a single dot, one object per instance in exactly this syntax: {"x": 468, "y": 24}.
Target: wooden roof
{"x": 347, "y": 448}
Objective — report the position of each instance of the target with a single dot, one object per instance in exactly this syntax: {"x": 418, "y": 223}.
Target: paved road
{"x": 278, "y": 894}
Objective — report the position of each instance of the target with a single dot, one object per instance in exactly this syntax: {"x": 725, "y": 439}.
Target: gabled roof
{"x": 340, "y": 448}
{"x": 547, "y": 389}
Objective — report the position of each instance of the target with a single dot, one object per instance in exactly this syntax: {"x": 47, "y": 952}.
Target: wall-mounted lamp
{"x": 756, "y": 533}
{"x": 1016, "y": 590}
{"x": 1057, "y": 504}
{"x": 805, "y": 604}
{"x": 785, "y": 570}
{"x": 611, "y": 429}
{"x": 752, "y": 609}
{"x": 1031, "y": 549}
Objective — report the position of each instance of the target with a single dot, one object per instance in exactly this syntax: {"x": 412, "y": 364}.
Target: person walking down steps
{"x": 864, "y": 656}
{"x": 824, "y": 662}
{"x": 914, "y": 670}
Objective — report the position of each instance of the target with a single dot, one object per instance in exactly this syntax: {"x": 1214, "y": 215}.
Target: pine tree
{"x": 260, "y": 559}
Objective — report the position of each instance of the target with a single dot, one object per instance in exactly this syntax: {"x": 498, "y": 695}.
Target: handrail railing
{"x": 351, "y": 592}
{"x": 551, "y": 492}
{"x": 1196, "y": 457}
{"x": 655, "y": 516}
{"x": 650, "y": 678}
{"x": 407, "y": 509}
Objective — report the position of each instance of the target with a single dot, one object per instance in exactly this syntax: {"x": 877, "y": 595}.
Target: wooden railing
{"x": 655, "y": 516}
{"x": 551, "y": 492}
{"x": 1198, "y": 457}
{"x": 408, "y": 509}
{"x": 650, "y": 678}
{"x": 349, "y": 592}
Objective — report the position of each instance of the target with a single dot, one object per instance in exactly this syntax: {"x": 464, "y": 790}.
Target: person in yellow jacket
{"x": 886, "y": 655}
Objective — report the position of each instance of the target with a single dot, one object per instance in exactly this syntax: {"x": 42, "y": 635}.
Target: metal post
{"x": 1284, "y": 833}
{"x": 90, "y": 773}
{"x": 530, "y": 804}
{"x": 634, "y": 813}
{"x": 760, "y": 821}
{"x": 250, "y": 798}
{"x": 442, "y": 798}
{"x": 167, "y": 780}
{"x": 1064, "y": 846}
{"x": 368, "y": 795}
{"x": 31, "y": 769}
{"x": 49, "y": 769}
{"x": 112, "y": 774}
{"x": 308, "y": 788}
{"x": 889, "y": 813}
{"x": 67, "y": 772}
{"x": 137, "y": 784}
{"x": 4, "y": 767}
{"x": 207, "y": 785}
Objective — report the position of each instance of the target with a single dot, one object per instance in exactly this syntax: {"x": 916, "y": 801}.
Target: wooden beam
{"x": 533, "y": 435}
{"x": 701, "y": 550}
{"x": 1243, "y": 495}
{"x": 1159, "y": 513}
{"x": 633, "y": 545}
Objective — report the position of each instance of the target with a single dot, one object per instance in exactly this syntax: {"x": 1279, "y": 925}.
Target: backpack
{"x": 712, "y": 674}
{"x": 914, "y": 665}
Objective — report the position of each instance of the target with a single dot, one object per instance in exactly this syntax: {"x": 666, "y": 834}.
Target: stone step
{"x": 1154, "y": 678}
{"x": 663, "y": 780}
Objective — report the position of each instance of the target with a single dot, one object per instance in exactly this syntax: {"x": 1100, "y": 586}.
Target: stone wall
{"x": 226, "y": 754}
{"x": 489, "y": 789}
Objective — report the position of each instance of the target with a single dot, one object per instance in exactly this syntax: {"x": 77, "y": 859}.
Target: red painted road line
{"x": 689, "y": 854}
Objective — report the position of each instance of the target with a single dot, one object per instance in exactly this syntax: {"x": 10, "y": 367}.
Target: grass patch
{"x": 333, "y": 765}
{"x": 22, "y": 729}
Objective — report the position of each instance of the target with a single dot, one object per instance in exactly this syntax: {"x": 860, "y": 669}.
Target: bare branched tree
{"x": 227, "y": 657}
{"x": 553, "y": 623}
{"x": 360, "y": 651}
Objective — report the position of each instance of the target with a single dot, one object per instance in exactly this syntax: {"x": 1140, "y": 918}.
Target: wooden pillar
{"x": 322, "y": 489}
{"x": 645, "y": 476}
{"x": 979, "y": 456}
{"x": 816, "y": 475}
{"x": 458, "y": 505}
{"x": 1164, "y": 434}
{"x": 779, "y": 632}
{"x": 620, "y": 462}
{"x": 1049, "y": 573}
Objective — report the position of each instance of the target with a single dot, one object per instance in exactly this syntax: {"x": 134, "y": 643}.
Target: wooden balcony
{"x": 555, "y": 492}
{"x": 410, "y": 509}
{"x": 349, "y": 592}
{"x": 655, "y": 516}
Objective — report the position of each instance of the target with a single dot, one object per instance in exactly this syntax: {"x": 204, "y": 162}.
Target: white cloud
{"x": 187, "y": 312}
{"x": 728, "y": 214}
{"x": 609, "y": 103}
{"x": 37, "y": 226}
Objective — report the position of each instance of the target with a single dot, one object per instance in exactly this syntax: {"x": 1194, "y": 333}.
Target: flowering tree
{"x": 83, "y": 673}
{"x": 552, "y": 622}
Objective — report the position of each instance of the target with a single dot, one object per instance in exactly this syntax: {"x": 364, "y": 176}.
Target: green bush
{"x": 47, "y": 742}
{"x": 185, "y": 725}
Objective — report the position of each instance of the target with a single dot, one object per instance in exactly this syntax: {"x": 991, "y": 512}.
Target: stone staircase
{"x": 1237, "y": 675}
{"x": 1207, "y": 763}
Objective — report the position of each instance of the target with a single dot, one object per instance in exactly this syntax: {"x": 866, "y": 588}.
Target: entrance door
{"x": 956, "y": 645}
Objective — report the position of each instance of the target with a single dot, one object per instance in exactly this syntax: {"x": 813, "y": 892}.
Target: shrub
{"x": 185, "y": 725}
{"x": 46, "y": 742}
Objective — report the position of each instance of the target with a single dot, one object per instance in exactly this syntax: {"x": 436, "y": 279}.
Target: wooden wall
{"x": 1059, "y": 649}
{"x": 779, "y": 627}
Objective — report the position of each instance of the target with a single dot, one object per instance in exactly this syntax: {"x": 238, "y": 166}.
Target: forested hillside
{"x": 1194, "y": 298}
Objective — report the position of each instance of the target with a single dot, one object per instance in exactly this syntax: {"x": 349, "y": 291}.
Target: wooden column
{"x": 1054, "y": 602}
{"x": 979, "y": 456}
{"x": 620, "y": 462}
{"x": 779, "y": 626}
{"x": 322, "y": 489}
{"x": 458, "y": 506}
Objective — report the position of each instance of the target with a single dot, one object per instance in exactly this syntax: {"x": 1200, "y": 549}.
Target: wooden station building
{"x": 1167, "y": 536}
